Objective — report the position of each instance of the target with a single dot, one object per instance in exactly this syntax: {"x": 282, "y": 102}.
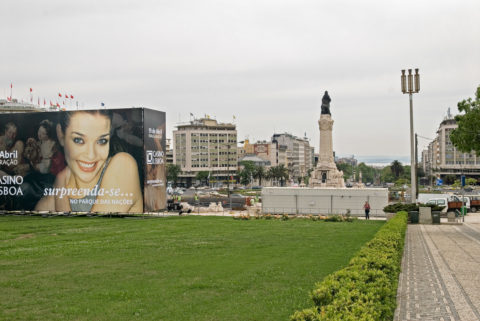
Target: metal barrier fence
{"x": 321, "y": 211}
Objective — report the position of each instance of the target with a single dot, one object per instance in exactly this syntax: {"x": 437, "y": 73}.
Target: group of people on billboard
{"x": 70, "y": 166}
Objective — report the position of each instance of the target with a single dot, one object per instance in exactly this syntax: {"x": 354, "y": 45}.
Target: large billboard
{"x": 154, "y": 169}
{"x": 94, "y": 161}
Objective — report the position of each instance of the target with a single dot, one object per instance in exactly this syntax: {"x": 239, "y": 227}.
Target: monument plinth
{"x": 326, "y": 173}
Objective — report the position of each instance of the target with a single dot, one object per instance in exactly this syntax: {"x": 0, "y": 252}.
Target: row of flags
{"x": 55, "y": 104}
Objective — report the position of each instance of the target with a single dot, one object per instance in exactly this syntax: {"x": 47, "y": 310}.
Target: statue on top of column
{"x": 326, "y": 104}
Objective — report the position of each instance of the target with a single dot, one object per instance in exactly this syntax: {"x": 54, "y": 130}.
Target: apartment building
{"x": 262, "y": 149}
{"x": 442, "y": 158}
{"x": 205, "y": 145}
{"x": 298, "y": 154}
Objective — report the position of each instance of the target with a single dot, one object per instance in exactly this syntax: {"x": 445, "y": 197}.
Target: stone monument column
{"x": 325, "y": 124}
{"x": 326, "y": 173}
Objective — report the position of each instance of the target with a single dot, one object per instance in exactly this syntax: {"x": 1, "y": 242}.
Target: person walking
{"x": 195, "y": 197}
{"x": 366, "y": 207}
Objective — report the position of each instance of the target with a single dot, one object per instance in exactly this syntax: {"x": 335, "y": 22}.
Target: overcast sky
{"x": 266, "y": 62}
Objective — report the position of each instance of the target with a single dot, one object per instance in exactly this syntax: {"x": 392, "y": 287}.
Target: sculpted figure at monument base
{"x": 326, "y": 175}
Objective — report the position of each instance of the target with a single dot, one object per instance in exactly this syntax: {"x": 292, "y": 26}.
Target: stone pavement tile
{"x": 421, "y": 293}
{"x": 439, "y": 278}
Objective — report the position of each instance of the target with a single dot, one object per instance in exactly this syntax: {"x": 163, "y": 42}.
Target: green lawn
{"x": 177, "y": 268}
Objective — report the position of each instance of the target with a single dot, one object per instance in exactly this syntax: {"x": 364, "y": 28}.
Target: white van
{"x": 443, "y": 201}
{"x": 439, "y": 202}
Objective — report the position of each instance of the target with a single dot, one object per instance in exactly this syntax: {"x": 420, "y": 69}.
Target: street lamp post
{"x": 411, "y": 86}
{"x": 228, "y": 175}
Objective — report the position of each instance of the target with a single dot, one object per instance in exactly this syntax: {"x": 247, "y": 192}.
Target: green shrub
{"x": 334, "y": 218}
{"x": 366, "y": 289}
{"x": 349, "y": 218}
{"x": 407, "y": 207}
{"x": 397, "y": 207}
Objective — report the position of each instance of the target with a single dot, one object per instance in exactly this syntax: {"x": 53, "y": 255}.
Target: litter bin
{"x": 436, "y": 217}
{"x": 413, "y": 217}
{"x": 464, "y": 210}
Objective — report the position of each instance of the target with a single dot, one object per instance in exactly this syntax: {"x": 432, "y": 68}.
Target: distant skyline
{"x": 267, "y": 63}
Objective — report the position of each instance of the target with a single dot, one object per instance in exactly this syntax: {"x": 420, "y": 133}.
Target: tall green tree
{"x": 466, "y": 137}
{"x": 396, "y": 168}
{"x": 246, "y": 173}
{"x": 271, "y": 175}
{"x": 259, "y": 173}
{"x": 368, "y": 173}
{"x": 203, "y": 177}
{"x": 346, "y": 168}
{"x": 282, "y": 173}
{"x": 173, "y": 171}
{"x": 386, "y": 175}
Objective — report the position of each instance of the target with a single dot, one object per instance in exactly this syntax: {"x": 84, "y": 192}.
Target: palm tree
{"x": 396, "y": 168}
{"x": 271, "y": 174}
{"x": 282, "y": 173}
{"x": 259, "y": 173}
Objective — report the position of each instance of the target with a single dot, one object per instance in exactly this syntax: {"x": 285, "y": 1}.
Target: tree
{"x": 396, "y": 168}
{"x": 203, "y": 176}
{"x": 278, "y": 173}
{"x": 368, "y": 173}
{"x": 282, "y": 173}
{"x": 470, "y": 181}
{"x": 449, "y": 179}
{"x": 246, "y": 173}
{"x": 272, "y": 174}
{"x": 259, "y": 173}
{"x": 173, "y": 171}
{"x": 386, "y": 175}
{"x": 466, "y": 137}
{"x": 420, "y": 171}
{"x": 346, "y": 168}
{"x": 306, "y": 179}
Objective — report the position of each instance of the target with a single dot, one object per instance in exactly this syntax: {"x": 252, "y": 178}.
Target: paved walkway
{"x": 440, "y": 277}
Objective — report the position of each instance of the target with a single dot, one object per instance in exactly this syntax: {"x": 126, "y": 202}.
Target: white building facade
{"x": 299, "y": 155}
{"x": 441, "y": 158}
{"x": 205, "y": 145}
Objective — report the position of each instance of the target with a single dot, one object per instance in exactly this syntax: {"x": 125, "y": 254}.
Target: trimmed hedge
{"x": 367, "y": 288}
{"x": 407, "y": 207}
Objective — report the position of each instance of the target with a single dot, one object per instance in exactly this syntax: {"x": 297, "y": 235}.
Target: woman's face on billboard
{"x": 87, "y": 142}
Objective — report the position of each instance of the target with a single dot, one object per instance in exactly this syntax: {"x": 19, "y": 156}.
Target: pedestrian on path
{"x": 366, "y": 207}
{"x": 195, "y": 197}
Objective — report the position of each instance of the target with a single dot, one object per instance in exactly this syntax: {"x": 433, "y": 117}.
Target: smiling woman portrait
{"x": 94, "y": 180}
